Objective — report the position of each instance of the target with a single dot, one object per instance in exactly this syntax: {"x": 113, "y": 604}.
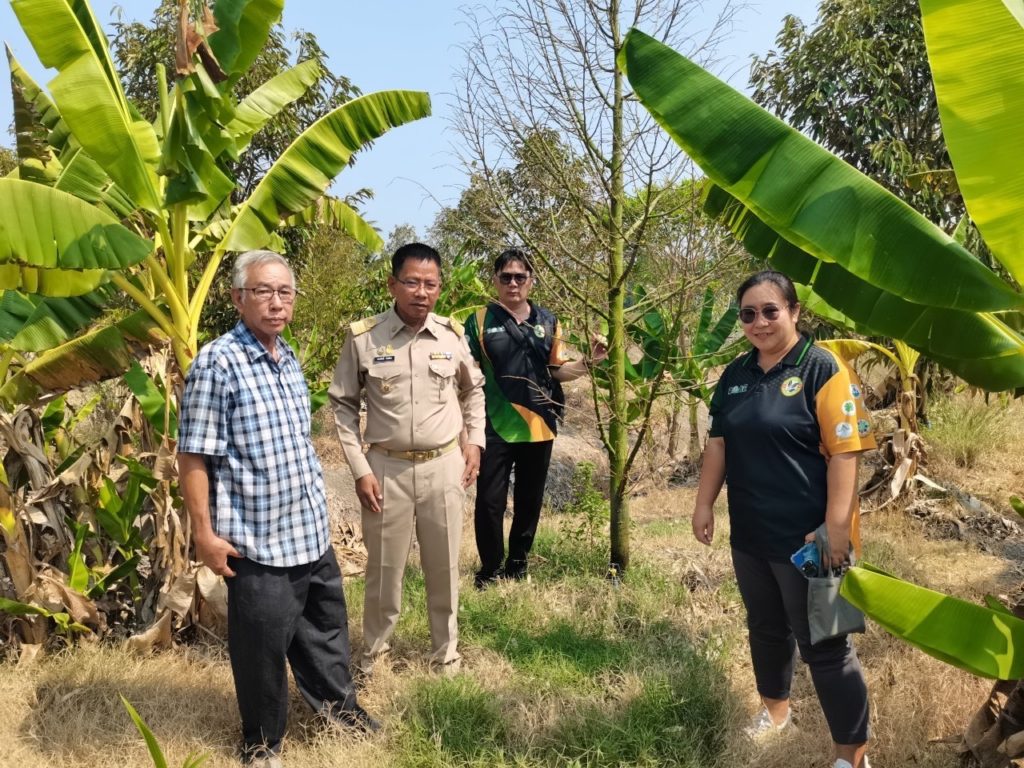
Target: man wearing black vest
{"x": 518, "y": 345}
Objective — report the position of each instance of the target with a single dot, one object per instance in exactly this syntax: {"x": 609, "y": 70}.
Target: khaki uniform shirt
{"x": 421, "y": 388}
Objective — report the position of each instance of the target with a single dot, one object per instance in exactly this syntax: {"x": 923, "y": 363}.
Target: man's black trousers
{"x": 530, "y": 461}
{"x": 298, "y": 614}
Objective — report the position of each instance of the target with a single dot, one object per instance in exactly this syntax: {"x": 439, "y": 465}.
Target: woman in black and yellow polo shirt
{"x": 787, "y": 425}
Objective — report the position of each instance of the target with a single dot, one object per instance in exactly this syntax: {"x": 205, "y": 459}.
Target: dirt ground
{"x": 65, "y": 710}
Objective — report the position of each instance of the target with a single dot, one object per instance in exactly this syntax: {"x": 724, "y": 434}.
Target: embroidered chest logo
{"x": 739, "y": 389}
{"x": 791, "y": 386}
{"x": 538, "y": 331}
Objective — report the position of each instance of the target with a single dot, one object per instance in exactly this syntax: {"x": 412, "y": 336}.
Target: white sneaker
{"x": 763, "y": 725}
{"x": 840, "y": 763}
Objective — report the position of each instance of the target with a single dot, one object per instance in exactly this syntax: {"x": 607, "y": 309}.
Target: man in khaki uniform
{"x": 422, "y": 387}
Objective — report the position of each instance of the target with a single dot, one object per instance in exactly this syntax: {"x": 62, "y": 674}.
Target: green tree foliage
{"x": 858, "y": 82}
{"x": 8, "y": 161}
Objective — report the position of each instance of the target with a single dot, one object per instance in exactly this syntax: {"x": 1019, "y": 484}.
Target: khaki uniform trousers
{"x": 427, "y": 495}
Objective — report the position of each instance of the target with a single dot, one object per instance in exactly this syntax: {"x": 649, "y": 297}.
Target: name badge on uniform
{"x": 384, "y": 359}
{"x": 440, "y": 355}
{"x": 497, "y": 329}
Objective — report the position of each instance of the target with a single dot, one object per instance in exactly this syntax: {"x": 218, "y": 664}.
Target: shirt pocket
{"x": 382, "y": 383}
{"x": 442, "y": 379}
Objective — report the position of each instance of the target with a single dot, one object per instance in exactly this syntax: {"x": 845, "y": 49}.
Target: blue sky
{"x": 410, "y": 44}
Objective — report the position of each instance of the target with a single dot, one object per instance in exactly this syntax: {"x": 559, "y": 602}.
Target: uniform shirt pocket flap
{"x": 384, "y": 374}
{"x": 442, "y": 368}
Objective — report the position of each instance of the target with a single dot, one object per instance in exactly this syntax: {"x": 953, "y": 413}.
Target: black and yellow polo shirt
{"x": 779, "y": 428}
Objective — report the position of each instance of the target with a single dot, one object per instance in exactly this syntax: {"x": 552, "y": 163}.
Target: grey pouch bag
{"x": 828, "y": 613}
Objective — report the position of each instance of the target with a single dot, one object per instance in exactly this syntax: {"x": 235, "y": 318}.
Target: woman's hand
{"x": 838, "y": 554}
{"x": 703, "y": 523}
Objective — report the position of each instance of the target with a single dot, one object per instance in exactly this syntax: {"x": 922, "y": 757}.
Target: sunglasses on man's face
{"x": 768, "y": 312}
{"x": 507, "y": 278}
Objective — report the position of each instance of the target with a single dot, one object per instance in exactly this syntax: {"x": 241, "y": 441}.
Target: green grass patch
{"x": 676, "y": 720}
{"x": 452, "y": 721}
{"x": 666, "y": 529}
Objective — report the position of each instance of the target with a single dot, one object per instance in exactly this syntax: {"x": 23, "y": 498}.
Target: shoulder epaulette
{"x": 456, "y": 326}
{"x": 362, "y": 326}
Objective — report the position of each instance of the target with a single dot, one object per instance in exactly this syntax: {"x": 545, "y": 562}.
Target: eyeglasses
{"x": 264, "y": 293}
{"x": 769, "y": 312}
{"x": 414, "y": 285}
{"x": 506, "y": 278}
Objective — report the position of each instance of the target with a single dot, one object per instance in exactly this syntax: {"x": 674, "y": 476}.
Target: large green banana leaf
{"x": 268, "y": 100}
{"x": 95, "y": 356}
{"x": 30, "y": 114}
{"x": 979, "y": 84}
{"x": 31, "y": 323}
{"x": 35, "y": 113}
{"x": 981, "y": 347}
{"x": 971, "y": 637}
{"x": 302, "y": 173}
{"x": 82, "y": 177}
{"x": 53, "y": 243}
{"x": 335, "y": 213}
{"x": 243, "y": 29}
{"x": 821, "y": 204}
{"x": 194, "y": 177}
{"x": 89, "y": 96}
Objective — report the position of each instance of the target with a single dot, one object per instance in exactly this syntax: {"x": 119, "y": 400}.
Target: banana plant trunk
{"x": 995, "y": 735}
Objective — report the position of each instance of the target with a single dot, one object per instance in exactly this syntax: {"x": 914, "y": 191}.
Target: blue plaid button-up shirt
{"x": 250, "y": 417}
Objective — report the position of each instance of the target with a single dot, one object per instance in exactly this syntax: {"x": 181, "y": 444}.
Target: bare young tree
{"x": 537, "y": 68}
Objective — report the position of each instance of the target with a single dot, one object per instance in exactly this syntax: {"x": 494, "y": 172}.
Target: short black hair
{"x": 510, "y": 255}
{"x": 779, "y": 280}
{"x": 417, "y": 251}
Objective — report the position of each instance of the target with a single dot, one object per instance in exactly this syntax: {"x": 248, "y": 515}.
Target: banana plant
{"x": 861, "y": 250}
{"x": 875, "y": 261}
{"x": 103, "y": 201}
{"x": 711, "y": 344}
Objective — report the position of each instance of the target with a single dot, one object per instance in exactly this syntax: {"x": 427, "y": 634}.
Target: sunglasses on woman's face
{"x": 768, "y": 312}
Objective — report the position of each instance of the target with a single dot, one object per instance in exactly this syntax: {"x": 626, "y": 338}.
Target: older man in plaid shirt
{"x": 254, "y": 491}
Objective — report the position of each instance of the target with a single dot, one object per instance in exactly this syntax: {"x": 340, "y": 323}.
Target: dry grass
{"x": 917, "y": 703}
{"x": 564, "y": 668}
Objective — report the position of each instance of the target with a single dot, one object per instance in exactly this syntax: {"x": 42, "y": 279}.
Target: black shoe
{"x": 483, "y": 580}
{"x": 514, "y": 570}
{"x": 357, "y": 719}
